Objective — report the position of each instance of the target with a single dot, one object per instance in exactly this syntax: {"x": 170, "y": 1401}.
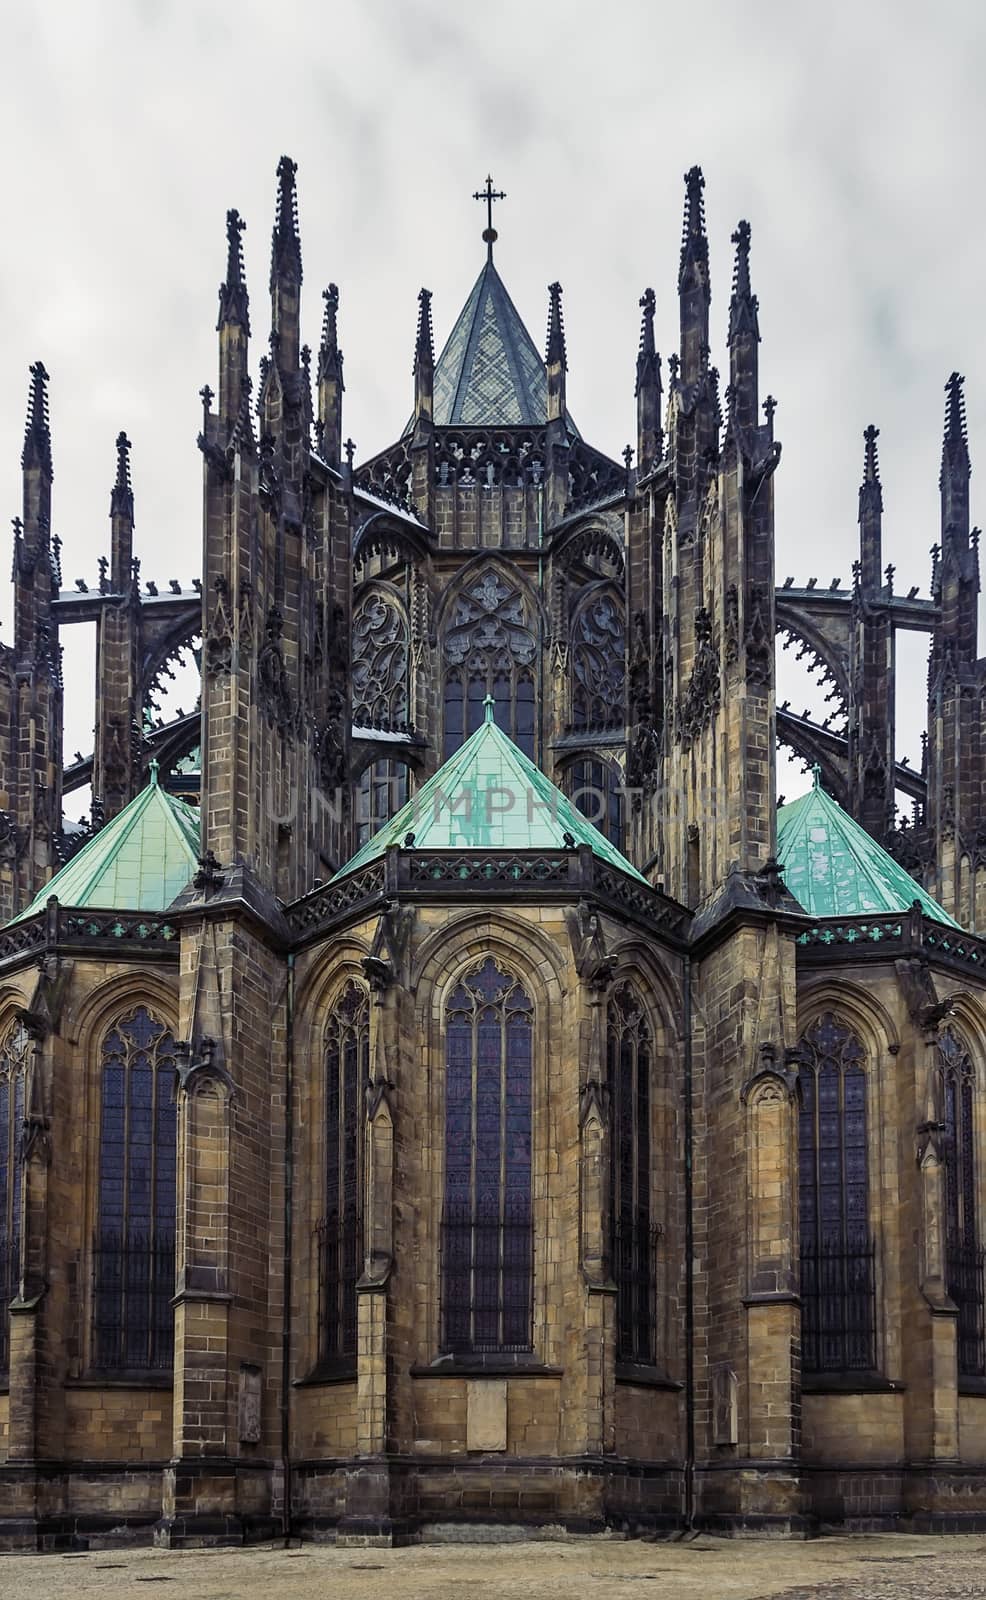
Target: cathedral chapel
{"x": 440, "y": 1085}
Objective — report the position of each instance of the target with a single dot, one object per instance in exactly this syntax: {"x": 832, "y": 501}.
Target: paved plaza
{"x": 862, "y": 1568}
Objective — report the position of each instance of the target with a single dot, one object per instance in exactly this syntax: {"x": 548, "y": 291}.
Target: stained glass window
{"x": 347, "y": 1072}
{"x": 487, "y": 1240}
{"x": 964, "y": 1257}
{"x": 595, "y": 787}
{"x": 14, "y": 1055}
{"x": 838, "y": 1329}
{"x": 489, "y": 648}
{"x": 134, "y": 1254}
{"x": 630, "y": 1060}
{"x": 384, "y": 787}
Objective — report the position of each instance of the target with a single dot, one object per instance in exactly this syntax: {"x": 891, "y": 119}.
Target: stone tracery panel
{"x": 381, "y": 648}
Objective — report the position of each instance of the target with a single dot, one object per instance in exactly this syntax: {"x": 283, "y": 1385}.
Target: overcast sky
{"x": 851, "y": 135}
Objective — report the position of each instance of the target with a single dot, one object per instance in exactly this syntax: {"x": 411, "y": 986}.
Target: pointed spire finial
{"x": 489, "y": 194}
{"x": 329, "y": 354}
{"x": 694, "y": 244}
{"x": 122, "y": 497}
{"x": 646, "y": 351}
{"x": 955, "y": 445}
{"x": 556, "y": 328}
{"x": 816, "y": 776}
{"x": 234, "y": 302}
{"x": 154, "y": 770}
{"x": 489, "y": 706}
{"x": 286, "y": 242}
{"x": 424, "y": 344}
{"x": 743, "y": 304}
{"x": 871, "y": 464}
{"x": 37, "y": 432}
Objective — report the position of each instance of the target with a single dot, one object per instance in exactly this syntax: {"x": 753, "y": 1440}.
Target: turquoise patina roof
{"x": 489, "y": 796}
{"x": 834, "y": 869}
{"x": 490, "y": 373}
{"x": 138, "y": 862}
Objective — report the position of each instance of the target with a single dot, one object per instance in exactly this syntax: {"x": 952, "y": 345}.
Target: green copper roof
{"x": 138, "y": 862}
{"x": 490, "y": 373}
{"x": 489, "y": 796}
{"x": 834, "y": 869}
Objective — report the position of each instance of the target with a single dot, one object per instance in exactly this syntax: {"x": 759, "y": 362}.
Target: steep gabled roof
{"x": 834, "y": 869}
{"x": 490, "y": 373}
{"x": 138, "y": 862}
{"x": 489, "y": 796}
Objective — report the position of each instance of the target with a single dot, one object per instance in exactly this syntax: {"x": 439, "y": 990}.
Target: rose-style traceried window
{"x": 134, "y": 1251}
{"x": 347, "y": 1072}
{"x": 838, "y": 1292}
{"x": 630, "y": 1056}
{"x": 487, "y": 1239}
{"x": 15, "y": 1053}
{"x": 963, "y": 1254}
{"x": 489, "y": 647}
{"x": 598, "y": 663}
{"x": 380, "y": 664}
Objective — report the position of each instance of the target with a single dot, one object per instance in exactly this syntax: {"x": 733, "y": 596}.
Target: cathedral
{"x": 443, "y": 1092}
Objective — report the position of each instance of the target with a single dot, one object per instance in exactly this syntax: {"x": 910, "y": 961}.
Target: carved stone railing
{"x": 891, "y": 937}
{"x": 60, "y": 927}
{"x": 330, "y": 902}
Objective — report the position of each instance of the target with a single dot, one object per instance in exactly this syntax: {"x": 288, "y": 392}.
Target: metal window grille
{"x": 133, "y": 1319}
{"x": 487, "y": 1266}
{"x": 337, "y": 1247}
{"x": 340, "y": 1234}
{"x": 965, "y": 1268}
{"x": 634, "y": 1251}
{"x": 10, "y": 1268}
{"x": 630, "y": 1063}
{"x": 838, "y": 1305}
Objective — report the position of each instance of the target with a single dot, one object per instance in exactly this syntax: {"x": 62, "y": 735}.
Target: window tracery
{"x": 380, "y": 664}
{"x": 630, "y": 1062}
{"x": 14, "y": 1057}
{"x": 963, "y": 1255}
{"x": 490, "y": 648}
{"x": 487, "y": 1241}
{"x": 347, "y": 1072}
{"x": 837, "y": 1253}
{"x": 598, "y": 664}
{"x": 134, "y": 1265}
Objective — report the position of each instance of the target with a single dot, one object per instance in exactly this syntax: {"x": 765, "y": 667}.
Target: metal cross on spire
{"x": 489, "y": 194}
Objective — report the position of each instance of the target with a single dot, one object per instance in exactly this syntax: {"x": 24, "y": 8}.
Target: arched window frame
{"x": 837, "y": 1246}
{"x": 598, "y": 661}
{"x": 346, "y": 1068}
{"x": 490, "y": 638}
{"x": 486, "y": 1266}
{"x": 133, "y": 1280}
{"x": 630, "y": 1059}
{"x": 964, "y": 1254}
{"x": 15, "y": 1054}
{"x": 381, "y": 655}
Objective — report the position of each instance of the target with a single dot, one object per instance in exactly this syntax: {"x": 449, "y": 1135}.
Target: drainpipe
{"x": 288, "y": 1211}
{"x": 689, "y": 1257}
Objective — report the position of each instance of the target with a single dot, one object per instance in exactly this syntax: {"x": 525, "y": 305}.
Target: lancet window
{"x": 347, "y": 1072}
{"x": 14, "y": 1058}
{"x": 384, "y": 786}
{"x": 964, "y": 1255}
{"x": 838, "y": 1326}
{"x": 490, "y": 648}
{"x": 596, "y": 788}
{"x": 380, "y": 653}
{"x": 630, "y": 1066}
{"x": 134, "y": 1248}
{"x": 598, "y": 663}
{"x": 487, "y": 1238}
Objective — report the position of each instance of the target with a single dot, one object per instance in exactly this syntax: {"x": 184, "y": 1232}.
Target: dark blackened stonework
{"x": 489, "y": 1178}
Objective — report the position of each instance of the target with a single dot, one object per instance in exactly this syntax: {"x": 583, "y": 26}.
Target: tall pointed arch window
{"x": 347, "y": 1072}
{"x": 14, "y": 1057}
{"x": 489, "y": 647}
{"x": 963, "y": 1253}
{"x": 384, "y": 786}
{"x": 380, "y": 653}
{"x": 598, "y": 663}
{"x": 630, "y": 1054}
{"x": 596, "y": 788}
{"x": 487, "y": 1240}
{"x": 134, "y": 1251}
{"x": 838, "y": 1300}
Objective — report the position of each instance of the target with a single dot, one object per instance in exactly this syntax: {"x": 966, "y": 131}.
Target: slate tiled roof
{"x": 138, "y": 862}
{"x": 490, "y": 374}
{"x": 489, "y": 796}
{"x": 834, "y": 869}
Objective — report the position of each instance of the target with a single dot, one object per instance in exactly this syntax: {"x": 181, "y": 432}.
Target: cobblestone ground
{"x": 864, "y": 1568}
